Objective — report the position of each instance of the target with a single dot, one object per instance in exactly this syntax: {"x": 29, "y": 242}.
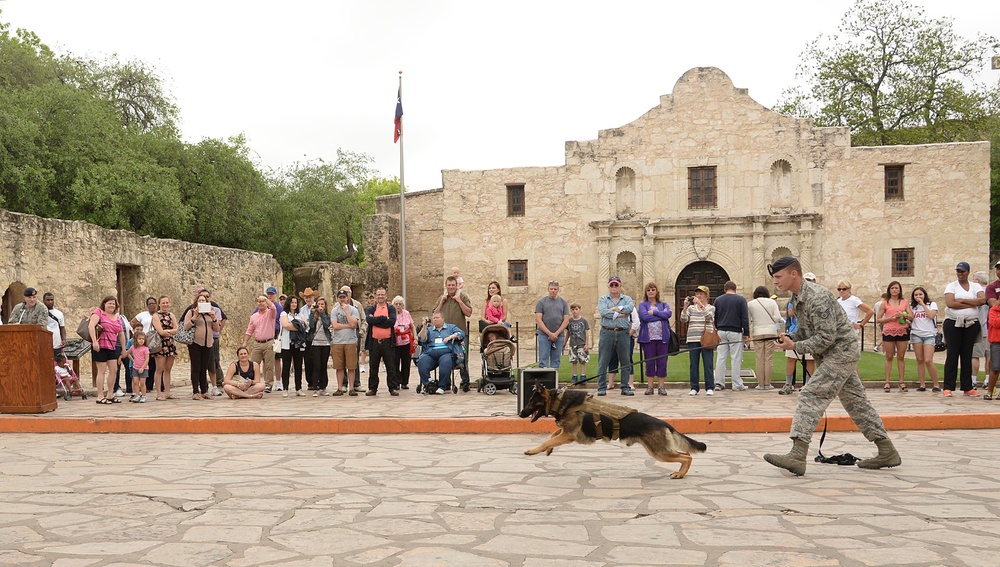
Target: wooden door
{"x": 695, "y": 274}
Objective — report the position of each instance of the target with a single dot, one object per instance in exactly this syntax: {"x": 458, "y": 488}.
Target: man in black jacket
{"x": 732, "y": 320}
{"x": 381, "y": 343}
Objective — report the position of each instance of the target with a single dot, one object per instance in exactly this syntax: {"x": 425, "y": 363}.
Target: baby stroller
{"x": 67, "y": 383}
{"x": 498, "y": 357}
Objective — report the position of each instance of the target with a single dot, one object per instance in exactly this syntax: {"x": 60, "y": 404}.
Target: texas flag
{"x": 399, "y": 116}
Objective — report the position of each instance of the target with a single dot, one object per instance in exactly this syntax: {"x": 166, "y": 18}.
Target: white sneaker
{"x": 215, "y": 391}
{"x": 709, "y": 392}
{"x": 363, "y": 368}
{"x": 284, "y": 394}
{"x": 439, "y": 391}
{"x": 740, "y": 388}
{"x": 119, "y": 393}
{"x": 299, "y": 393}
{"x": 693, "y": 393}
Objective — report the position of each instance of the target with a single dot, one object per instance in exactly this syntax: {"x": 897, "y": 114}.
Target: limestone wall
{"x": 944, "y": 216}
{"x": 81, "y": 263}
{"x": 619, "y": 205}
{"x": 424, "y": 249}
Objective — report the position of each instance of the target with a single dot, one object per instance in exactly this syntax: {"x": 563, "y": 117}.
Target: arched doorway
{"x": 693, "y": 275}
{"x": 13, "y": 295}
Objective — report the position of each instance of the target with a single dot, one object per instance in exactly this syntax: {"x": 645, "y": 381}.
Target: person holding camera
{"x": 204, "y": 320}
{"x": 699, "y": 314}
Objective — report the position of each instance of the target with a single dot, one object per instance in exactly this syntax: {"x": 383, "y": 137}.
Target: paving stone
{"x": 592, "y": 506}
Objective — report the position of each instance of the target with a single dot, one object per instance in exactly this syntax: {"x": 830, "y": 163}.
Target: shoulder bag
{"x": 154, "y": 342}
{"x": 83, "y": 329}
{"x": 710, "y": 337}
{"x": 184, "y": 336}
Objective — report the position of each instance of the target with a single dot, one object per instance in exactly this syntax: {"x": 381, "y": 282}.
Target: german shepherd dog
{"x": 576, "y": 423}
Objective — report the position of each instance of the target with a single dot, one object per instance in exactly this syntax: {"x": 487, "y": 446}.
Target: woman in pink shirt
{"x": 104, "y": 344}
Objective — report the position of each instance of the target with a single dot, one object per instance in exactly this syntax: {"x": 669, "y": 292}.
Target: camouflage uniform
{"x": 24, "y": 315}
{"x": 825, "y": 332}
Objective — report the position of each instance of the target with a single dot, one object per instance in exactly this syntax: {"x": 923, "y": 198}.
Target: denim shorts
{"x": 915, "y": 340}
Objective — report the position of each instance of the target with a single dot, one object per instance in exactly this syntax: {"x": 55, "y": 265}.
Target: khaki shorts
{"x": 345, "y": 357}
{"x": 981, "y": 348}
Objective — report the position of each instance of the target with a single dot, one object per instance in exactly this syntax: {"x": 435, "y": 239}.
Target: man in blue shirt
{"x": 616, "y": 310}
{"x": 438, "y": 341}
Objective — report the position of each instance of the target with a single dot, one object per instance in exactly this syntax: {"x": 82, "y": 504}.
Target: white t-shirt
{"x": 968, "y": 312}
{"x": 54, "y": 324}
{"x": 146, "y": 318}
{"x": 923, "y": 326}
{"x": 851, "y": 307}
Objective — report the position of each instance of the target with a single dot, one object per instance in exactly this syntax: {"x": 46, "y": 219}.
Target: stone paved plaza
{"x": 469, "y": 500}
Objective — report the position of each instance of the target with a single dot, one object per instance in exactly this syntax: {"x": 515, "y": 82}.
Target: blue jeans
{"x": 550, "y": 352}
{"x": 613, "y": 341}
{"x": 439, "y": 358}
{"x": 703, "y": 355}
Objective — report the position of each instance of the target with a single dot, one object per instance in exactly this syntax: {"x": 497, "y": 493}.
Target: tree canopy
{"x": 895, "y": 76}
{"x": 97, "y": 140}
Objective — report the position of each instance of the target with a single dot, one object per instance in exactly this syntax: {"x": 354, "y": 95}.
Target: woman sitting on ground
{"x": 243, "y": 378}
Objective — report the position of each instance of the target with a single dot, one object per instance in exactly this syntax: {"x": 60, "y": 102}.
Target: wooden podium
{"x": 27, "y": 378}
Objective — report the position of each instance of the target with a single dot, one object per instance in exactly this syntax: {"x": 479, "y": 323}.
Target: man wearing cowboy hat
{"x": 308, "y": 296}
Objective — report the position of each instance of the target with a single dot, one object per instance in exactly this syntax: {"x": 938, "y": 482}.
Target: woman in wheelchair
{"x": 440, "y": 342}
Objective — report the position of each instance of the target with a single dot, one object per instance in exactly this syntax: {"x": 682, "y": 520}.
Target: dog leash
{"x": 846, "y": 459}
{"x": 634, "y": 364}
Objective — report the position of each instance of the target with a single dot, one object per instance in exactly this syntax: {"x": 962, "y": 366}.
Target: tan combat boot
{"x": 887, "y": 457}
{"x": 795, "y": 461}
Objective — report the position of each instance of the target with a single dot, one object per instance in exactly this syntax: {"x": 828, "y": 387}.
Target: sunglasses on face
{"x": 614, "y": 284}
{"x": 843, "y": 288}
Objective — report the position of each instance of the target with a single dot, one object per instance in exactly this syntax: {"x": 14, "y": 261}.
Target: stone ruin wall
{"x": 424, "y": 249}
{"x": 81, "y": 263}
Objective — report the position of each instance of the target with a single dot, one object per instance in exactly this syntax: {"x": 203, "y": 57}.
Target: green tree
{"x": 894, "y": 76}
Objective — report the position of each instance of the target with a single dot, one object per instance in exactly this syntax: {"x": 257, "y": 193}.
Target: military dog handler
{"x": 825, "y": 332}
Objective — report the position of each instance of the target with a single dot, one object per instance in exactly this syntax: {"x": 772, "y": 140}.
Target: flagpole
{"x": 402, "y": 200}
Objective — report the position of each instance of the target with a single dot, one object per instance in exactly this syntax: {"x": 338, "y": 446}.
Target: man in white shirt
{"x": 146, "y": 320}
{"x": 57, "y": 324}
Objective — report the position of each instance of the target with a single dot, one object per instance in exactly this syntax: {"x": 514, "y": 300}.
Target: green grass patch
{"x": 872, "y": 365}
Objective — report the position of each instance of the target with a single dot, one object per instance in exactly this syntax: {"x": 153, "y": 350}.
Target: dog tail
{"x": 687, "y": 444}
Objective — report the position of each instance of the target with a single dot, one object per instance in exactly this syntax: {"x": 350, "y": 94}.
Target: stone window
{"x": 781, "y": 184}
{"x": 702, "y": 192}
{"x": 893, "y": 182}
{"x": 515, "y": 200}
{"x": 517, "y": 272}
{"x": 902, "y": 262}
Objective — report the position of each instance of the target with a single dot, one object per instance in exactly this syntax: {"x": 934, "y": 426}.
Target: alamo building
{"x": 707, "y": 186}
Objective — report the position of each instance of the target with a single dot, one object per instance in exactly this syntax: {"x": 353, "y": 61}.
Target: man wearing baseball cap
{"x": 30, "y": 311}
{"x": 616, "y": 321}
{"x": 825, "y": 331}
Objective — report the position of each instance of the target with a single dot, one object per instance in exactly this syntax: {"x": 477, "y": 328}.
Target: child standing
{"x": 139, "y": 355}
{"x": 578, "y": 339}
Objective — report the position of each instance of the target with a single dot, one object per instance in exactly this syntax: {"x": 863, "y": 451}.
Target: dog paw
{"x": 676, "y": 475}
{"x": 549, "y": 452}
{"x": 530, "y": 452}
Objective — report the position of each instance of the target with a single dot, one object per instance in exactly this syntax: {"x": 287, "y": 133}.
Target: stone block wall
{"x": 81, "y": 263}
{"x": 424, "y": 248}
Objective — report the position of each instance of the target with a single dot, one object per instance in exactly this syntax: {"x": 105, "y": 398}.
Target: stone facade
{"x": 81, "y": 263}
{"x": 621, "y": 205}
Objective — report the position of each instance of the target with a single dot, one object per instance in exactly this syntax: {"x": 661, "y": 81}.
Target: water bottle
{"x": 902, "y": 318}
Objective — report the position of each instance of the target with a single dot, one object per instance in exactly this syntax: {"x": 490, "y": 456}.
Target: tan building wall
{"x": 619, "y": 205}
{"x": 81, "y": 263}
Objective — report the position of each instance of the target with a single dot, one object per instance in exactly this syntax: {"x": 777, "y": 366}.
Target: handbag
{"x": 675, "y": 343}
{"x": 184, "y": 336}
{"x": 83, "y": 330}
{"x": 710, "y": 339}
{"x": 154, "y": 342}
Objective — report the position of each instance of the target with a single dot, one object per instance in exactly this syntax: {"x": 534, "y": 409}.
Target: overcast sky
{"x": 485, "y": 85}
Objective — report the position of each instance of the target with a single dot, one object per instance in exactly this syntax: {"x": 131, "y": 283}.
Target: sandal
{"x": 103, "y": 401}
{"x": 112, "y": 401}
{"x": 887, "y": 388}
{"x": 902, "y": 386}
